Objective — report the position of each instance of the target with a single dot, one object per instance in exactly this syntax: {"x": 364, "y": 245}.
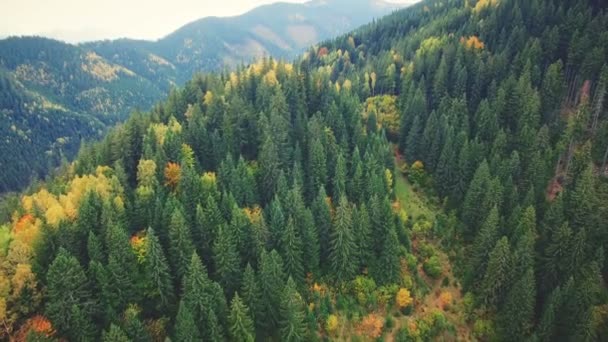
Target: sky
{"x": 85, "y": 20}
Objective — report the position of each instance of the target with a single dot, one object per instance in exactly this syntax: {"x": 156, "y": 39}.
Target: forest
{"x": 439, "y": 174}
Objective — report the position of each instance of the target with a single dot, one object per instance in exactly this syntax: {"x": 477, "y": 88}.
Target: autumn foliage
{"x": 371, "y": 326}
{"x": 403, "y": 298}
{"x": 445, "y": 299}
{"x": 172, "y": 175}
{"x": 472, "y": 43}
{"x": 38, "y": 324}
{"x": 332, "y": 324}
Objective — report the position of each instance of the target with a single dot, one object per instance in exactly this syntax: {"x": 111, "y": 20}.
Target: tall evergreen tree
{"x": 185, "y": 329}
{"x": 70, "y": 304}
{"x": 180, "y": 243}
{"x": 291, "y": 247}
{"x": 293, "y": 324}
{"x": 250, "y": 289}
{"x": 516, "y": 317}
{"x": 497, "y": 277}
{"x": 241, "y": 325}
{"x": 271, "y": 280}
{"x": 322, "y": 216}
{"x": 157, "y": 272}
{"x": 343, "y": 247}
{"x": 226, "y": 260}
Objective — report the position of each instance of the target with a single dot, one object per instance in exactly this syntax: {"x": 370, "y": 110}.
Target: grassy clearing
{"x": 413, "y": 203}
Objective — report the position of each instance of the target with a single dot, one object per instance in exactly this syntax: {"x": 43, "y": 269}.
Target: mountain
{"x": 58, "y": 94}
{"x": 439, "y": 174}
{"x": 53, "y": 95}
{"x": 280, "y": 30}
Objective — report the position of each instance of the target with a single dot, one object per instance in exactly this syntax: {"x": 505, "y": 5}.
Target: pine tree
{"x": 202, "y": 234}
{"x": 363, "y": 238}
{"x": 158, "y": 276}
{"x": 94, "y": 248}
{"x": 69, "y": 301}
{"x": 482, "y": 246}
{"x": 226, "y": 261}
{"x": 447, "y": 166}
{"x": 195, "y": 292}
{"x": 317, "y": 163}
{"x": 270, "y": 164}
{"x": 412, "y": 145}
{"x": 342, "y": 253}
{"x": 339, "y": 177}
{"x": 516, "y": 318}
{"x": 122, "y": 269}
{"x": 496, "y": 279}
{"x": 251, "y": 294}
{"x": 525, "y": 246}
{"x": 388, "y": 267}
{"x": 472, "y": 208}
{"x": 293, "y": 324}
{"x": 185, "y": 329}
{"x": 581, "y": 207}
{"x": 180, "y": 244}
{"x": 291, "y": 247}
{"x": 271, "y": 280}
{"x": 322, "y": 216}
{"x": 241, "y": 325}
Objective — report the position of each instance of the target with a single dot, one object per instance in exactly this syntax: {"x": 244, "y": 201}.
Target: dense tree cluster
{"x": 504, "y": 103}
{"x": 227, "y": 211}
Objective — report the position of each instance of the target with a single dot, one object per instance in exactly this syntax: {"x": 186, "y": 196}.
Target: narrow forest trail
{"x": 442, "y": 296}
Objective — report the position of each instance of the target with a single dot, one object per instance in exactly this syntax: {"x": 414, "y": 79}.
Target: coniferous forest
{"x": 439, "y": 174}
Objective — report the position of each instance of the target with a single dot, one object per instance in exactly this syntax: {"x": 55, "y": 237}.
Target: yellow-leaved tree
{"x": 403, "y": 298}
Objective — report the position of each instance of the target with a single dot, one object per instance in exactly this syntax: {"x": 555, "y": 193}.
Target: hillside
{"x": 53, "y": 95}
{"x": 69, "y": 93}
{"x": 439, "y": 174}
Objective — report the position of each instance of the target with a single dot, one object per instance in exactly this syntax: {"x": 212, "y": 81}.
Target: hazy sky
{"x": 84, "y": 20}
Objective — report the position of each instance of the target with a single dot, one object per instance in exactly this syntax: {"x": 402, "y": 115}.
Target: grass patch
{"x": 411, "y": 201}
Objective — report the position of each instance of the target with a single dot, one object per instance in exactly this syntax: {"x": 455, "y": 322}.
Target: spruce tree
{"x": 69, "y": 303}
{"x": 226, "y": 261}
{"x": 241, "y": 325}
{"x": 271, "y": 280}
{"x": 292, "y": 324}
{"x": 516, "y": 317}
{"x": 185, "y": 329}
{"x": 158, "y": 276}
{"x": 250, "y": 289}
{"x": 472, "y": 207}
{"x": 482, "y": 246}
{"x": 339, "y": 178}
{"x": 497, "y": 277}
{"x": 317, "y": 163}
{"x": 180, "y": 243}
{"x": 122, "y": 269}
{"x": 195, "y": 292}
{"x": 291, "y": 251}
{"x": 343, "y": 248}
{"x": 322, "y": 216}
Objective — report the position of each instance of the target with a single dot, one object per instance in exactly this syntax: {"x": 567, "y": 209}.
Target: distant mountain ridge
{"x": 281, "y": 30}
{"x": 54, "y": 94}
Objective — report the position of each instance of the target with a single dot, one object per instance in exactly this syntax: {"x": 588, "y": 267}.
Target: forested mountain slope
{"x": 52, "y": 95}
{"x": 67, "y": 93}
{"x": 270, "y": 203}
